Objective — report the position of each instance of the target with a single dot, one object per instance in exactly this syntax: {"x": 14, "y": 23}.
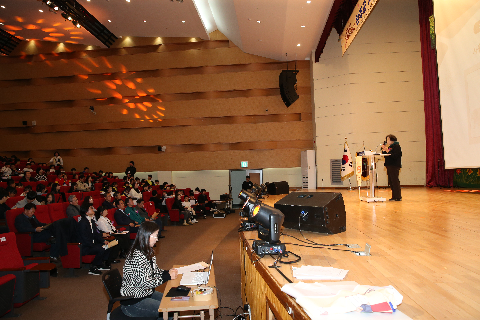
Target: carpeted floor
{"x": 84, "y": 297}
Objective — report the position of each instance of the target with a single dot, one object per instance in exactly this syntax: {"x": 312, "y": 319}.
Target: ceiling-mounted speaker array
{"x": 287, "y": 82}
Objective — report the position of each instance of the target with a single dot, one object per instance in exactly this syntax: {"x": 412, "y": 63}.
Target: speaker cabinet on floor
{"x": 287, "y": 81}
{"x": 280, "y": 187}
{"x": 322, "y": 212}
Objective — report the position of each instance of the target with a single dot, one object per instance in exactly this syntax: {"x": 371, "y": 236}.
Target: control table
{"x": 167, "y": 305}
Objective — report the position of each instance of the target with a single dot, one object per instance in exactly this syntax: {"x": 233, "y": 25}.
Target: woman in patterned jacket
{"x": 141, "y": 275}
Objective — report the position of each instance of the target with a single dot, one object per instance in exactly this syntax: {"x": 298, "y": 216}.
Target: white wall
{"x": 214, "y": 181}
{"x": 375, "y": 89}
{"x": 292, "y": 175}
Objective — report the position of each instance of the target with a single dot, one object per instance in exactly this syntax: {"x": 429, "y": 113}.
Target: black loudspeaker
{"x": 322, "y": 212}
{"x": 278, "y": 188}
{"x": 287, "y": 81}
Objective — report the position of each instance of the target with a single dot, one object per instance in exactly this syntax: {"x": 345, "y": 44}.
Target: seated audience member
{"x": 149, "y": 180}
{"x": 40, "y": 189}
{"x": 41, "y": 176}
{"x": 28, "y": 167}
{"x": 197, "y": 190}
{"x": 73, "y": 208}
{"x": 11, "y": 191}
{"x": 3, "y": 204}
{"x": 51, "y": 170}
{"x": 114, "y": 186}
{"x": 6, "y": 171}
{"x": 11, "y": 183}
{"x": 156, "y": 200}
{"x": 74, "y": 172}
{"x": 82, "y": 185}
{"x": 50, "y": 198}
{"x": 27, "y": 177}
{"x": 64, "y": 231}
{"x": 107, "y": 204}
{"x": 177, "y": 204}
{"x": 188, "y": 206}
{"x": 86, "y": 171}
{"x": 30, "y": 198}
{"x": 140, "y": 208}
{"x": 203, "y": 202}
{"x": 135, "y": 192}
{"x": 157, "y": 183}
{"x": 106, "y": 226}
{"x": 126, "y": 191}
{"x": 139, "y": 263}
{"x": 26, "y": 190}
{"x": 122, "y": 219}
{"x": 56, "y": 190}
{"x": 56, "y": 160}
{"x": 116, "y": 196}
{"x": 90, "y": 184}
{"x": 62, "y": 179}
{"x": 87, "y": 202}
{"x": 92, "y": 242}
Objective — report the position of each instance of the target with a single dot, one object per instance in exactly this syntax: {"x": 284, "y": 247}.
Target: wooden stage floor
{"x": 426, "y": 246}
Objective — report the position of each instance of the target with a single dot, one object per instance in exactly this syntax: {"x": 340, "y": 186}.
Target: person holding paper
{"x": 94, "y": 244}
{"x": 141, "y": 275}
{"x": 393, "y": 163}
{"x": 106, "y": 227}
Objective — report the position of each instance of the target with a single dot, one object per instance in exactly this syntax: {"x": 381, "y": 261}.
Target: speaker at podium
{"x": 322, "y": 212}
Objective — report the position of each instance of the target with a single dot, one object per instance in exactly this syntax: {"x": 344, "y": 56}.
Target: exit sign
{"x": 244, "y": 164}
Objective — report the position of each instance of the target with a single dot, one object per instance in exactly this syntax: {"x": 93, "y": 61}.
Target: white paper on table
{"x": 192, "y": 267}
{"x": 318, "y": 273}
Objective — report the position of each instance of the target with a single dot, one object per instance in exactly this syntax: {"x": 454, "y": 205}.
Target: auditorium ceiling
{"x": 277, "y": 29}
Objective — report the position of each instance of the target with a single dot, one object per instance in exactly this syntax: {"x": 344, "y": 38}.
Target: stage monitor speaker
{"x": 287, "y": 81}
{"x": 322, "y": 212}
{"x": 280, "y": 187}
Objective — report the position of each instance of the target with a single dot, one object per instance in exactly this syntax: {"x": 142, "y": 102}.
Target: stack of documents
{"x": 192, "y": 267}
{"x": 318, "y": 273}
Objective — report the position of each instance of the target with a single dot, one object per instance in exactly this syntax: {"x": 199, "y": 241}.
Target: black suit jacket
{"x": 121, "y": 218}
{"x": 395, "y": 156}
{"x": 22, "y": 223}
{"x": 86, "y": 236}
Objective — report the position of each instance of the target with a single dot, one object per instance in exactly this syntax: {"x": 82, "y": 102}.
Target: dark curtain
{"x": 436, "y": 175}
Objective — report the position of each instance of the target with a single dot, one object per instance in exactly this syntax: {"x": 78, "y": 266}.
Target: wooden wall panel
{"x": 209, "y": 103}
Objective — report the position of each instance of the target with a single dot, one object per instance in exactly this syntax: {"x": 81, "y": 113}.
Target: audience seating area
{"x": 21, "y": 280}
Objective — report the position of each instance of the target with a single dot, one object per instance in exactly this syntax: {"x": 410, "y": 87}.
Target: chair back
{"x": 112, "y": 280}
{"x": 150, "y": 208}
{"x": 13, "y": 201}
{"x": 41, "y": 212}
{"x": 97, "y": 202}
{"x": 10, "y": 215}
{"x": 11, "y": 258}
{"x": 146, "y": 196}
{"x": 56, "y": 212}
{"x": 169, "y": 203}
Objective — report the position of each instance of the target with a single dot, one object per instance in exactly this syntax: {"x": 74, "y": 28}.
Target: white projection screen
{"x": 457, "y": 26}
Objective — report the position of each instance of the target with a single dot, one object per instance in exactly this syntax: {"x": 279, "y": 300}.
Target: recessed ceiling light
{"x": 144, "y": 20}
{"x": 109, "y": 20}
{"x": 128, "y": 0}
{"x": 40, "y": 10}
{"x": 298, "y": 45}
{"x": 303, "y": 26}
{"x": 309, "y": 1}
{"x": 258, "y": 21}
{"x": 3, "y": 7}
{"x": 183, "y": 21}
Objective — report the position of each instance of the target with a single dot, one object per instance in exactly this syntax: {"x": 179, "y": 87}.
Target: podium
{"x": 372, "y": 158}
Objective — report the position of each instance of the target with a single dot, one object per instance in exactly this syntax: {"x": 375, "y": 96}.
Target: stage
{"x": 426, "y": 246}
